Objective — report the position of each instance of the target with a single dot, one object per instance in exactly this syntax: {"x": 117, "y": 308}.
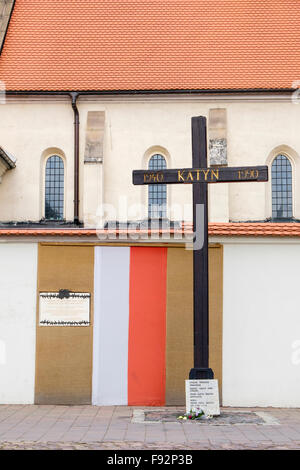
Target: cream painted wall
{"x": 27, "y": 129}
{"x": 261, "y": 318}
{"x": 18, "y": 280}
{"x": 254, "y": 130}
{"x": 133, "y": 126}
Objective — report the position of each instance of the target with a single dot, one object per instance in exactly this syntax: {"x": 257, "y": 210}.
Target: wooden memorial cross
{"x": 200, "y": 175}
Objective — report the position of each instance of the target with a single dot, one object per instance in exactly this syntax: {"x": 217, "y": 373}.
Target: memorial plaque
{"x": 72, "y": 309}
{"x": 202, "y": 395}
{"x": 218, "y": 151}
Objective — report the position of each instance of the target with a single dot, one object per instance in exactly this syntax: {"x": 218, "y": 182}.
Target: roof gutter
{"x": 74, "y": 96}
{"x": 149, "y": 92}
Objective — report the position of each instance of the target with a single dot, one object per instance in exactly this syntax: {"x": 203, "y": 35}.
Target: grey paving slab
{"x": 85, "y": 427}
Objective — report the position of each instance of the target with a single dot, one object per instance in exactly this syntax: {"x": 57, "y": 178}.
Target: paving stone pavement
{"x": 113, "y": 428}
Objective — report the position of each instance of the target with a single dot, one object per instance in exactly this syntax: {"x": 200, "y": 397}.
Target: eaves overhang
{"x": 6, "y": 10}
{"x": 7, "y": 162}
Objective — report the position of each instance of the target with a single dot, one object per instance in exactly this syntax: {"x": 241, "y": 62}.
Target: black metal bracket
{"x": 202, "y": 373}
{"x": 64, "y": 294}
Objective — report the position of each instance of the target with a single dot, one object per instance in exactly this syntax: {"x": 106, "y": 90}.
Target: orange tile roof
{"x": 255, "y": 229}
{"x": 215, "y": 229}
{"x": 152, "y": 45}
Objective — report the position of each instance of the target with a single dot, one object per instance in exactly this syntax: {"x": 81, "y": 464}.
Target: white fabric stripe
{"x": 18, "y": 276}
{"x": 111, "y": 321}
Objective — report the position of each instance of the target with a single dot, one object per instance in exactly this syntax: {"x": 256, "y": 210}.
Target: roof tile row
{"x": 215, "y": 229}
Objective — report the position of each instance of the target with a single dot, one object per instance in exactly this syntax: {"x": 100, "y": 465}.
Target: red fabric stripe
{"x": 147, "y": 326}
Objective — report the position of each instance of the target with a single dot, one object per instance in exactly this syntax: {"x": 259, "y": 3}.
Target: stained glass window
{"x": 54, "y": 188}
{"x": 282, "y": 194}
{"x": 157, "y": 200}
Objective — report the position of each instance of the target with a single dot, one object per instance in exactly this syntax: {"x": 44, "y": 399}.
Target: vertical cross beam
{"x": 200, "y": 258}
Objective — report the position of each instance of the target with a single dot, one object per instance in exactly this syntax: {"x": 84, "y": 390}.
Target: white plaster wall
{"x": 93, "y": 194}
{"x": 254, "y": 130}
{"x": 18, "y": 280}
{"x": 134, "y": 125}
{"x": 261, "y": 336}
{"x": 27, "y": 129}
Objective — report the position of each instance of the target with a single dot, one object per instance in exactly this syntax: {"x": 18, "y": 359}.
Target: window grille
{"x": 54, "y": 188}
{"x": 157, "y": 197}
{"x": 282, "y": 193}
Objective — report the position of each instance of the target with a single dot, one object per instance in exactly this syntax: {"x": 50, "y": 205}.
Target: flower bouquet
{"x": 192, "y": 415}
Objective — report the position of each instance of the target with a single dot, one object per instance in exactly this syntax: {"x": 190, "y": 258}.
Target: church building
{"x": 96, "y": 273}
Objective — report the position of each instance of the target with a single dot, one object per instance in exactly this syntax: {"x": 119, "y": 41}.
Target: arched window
{"x": 54, "y": 188}
{"x": 157, "y": 198}
{"x": 282, "y": 193}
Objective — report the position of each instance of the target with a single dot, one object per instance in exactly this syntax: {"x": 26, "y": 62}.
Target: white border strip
{"x": 111, "y": 321}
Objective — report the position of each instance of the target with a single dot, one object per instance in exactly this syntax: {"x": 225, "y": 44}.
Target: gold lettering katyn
{"x": 205, "y": 172}
{"x": 194, "y": 175}
{"x": 181, "y": 175}
{"x": 214, "y": 174}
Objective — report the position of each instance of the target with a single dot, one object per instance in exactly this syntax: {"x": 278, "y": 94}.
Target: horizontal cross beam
{"x": 201, "y": 175}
